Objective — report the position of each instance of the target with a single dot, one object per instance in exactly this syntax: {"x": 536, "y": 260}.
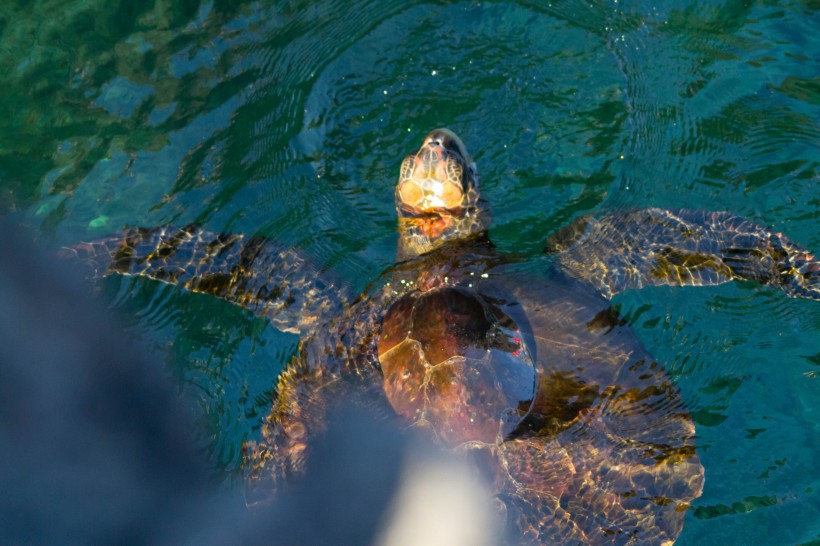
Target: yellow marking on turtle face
{"x": 431, "y": 181}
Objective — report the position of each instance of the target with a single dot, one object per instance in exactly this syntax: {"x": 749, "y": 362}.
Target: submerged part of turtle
{"x": 534, "y": 379}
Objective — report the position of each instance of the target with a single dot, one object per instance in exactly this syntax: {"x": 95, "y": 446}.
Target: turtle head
{"x": 437, "y": 196}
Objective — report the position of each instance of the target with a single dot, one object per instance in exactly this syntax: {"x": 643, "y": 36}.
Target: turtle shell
{"x": 456, "y": 364}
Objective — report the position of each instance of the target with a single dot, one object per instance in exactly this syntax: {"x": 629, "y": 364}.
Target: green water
{"x": 290, "y": 119}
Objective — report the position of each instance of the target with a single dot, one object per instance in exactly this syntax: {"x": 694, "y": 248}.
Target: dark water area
{"x": 290, "y": 120}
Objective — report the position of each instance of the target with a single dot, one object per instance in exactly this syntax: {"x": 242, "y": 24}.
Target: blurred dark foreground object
{"x": 96, "y": 448}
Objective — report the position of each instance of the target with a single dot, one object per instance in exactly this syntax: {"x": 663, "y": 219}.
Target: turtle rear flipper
{"x": 310, "y": 401}
{"x": 621, "y": 250}
{"x": 279, "y": 283}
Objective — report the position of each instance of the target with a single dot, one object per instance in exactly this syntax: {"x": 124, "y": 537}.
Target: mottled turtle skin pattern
{"x": 531, "y": 376}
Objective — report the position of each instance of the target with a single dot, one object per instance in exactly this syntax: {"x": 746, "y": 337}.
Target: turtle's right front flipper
{"x": 271, "y": 280}
{"x": 628, "y": 249}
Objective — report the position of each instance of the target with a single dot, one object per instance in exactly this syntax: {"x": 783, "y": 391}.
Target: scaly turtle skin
{"x": 532, "y": 378}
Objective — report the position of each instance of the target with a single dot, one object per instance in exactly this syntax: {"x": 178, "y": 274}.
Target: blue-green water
{"x": 290, "y": 119}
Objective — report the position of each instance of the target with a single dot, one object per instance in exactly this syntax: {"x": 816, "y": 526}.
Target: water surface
{"x": 290, "y": 119}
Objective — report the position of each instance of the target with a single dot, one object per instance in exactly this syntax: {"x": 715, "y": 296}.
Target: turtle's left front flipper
{"x": 628, "y": 249}
{"x": 271, "y": 280}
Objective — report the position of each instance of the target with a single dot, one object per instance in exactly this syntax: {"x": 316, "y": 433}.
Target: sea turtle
{"x": 531, "y": 376}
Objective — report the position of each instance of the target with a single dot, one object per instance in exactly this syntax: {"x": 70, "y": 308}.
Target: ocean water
{"x": 290, "y": 119}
